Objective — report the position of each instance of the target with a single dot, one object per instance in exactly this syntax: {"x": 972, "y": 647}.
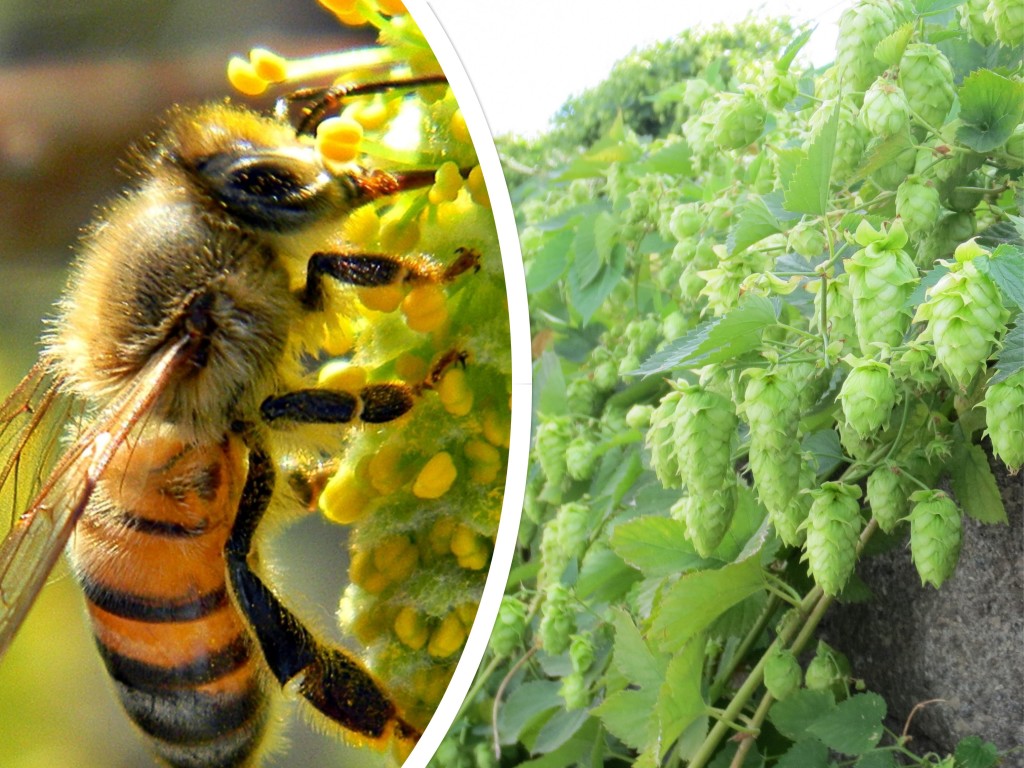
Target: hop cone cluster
{"x": 935, "y": 531}
{"x": 868, "y": 396}
{"x": 832, "y": 527}
{"x": 1004, "y": 417}
{"x": 509, "y": 626}
{"x": 740, "y": 121}
{"x": 927, "y": 81}
{"x": 771, "y": 407}
{"x": 557, "y": 620}
{"x": 966, "y": 317}
{"x": 882, "y": 277}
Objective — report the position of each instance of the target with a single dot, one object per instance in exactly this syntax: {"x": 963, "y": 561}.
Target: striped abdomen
{"x": 149, "y": 553}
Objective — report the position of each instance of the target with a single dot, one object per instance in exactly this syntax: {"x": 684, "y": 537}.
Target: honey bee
{"x": 170, "y": 360}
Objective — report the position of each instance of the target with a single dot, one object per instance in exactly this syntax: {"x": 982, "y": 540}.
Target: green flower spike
{"x": 868, "y": 396}
{"x": 833, "y": 527}
{"x": 935, "y": 532}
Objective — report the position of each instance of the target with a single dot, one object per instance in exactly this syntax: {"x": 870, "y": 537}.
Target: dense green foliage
{"x": 773, "y": 310}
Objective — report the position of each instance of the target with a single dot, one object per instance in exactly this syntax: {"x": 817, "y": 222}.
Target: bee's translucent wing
{"x": 40, "y": 532}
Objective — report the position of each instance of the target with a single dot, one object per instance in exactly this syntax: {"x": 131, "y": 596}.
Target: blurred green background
{"x": 78, "y": 82}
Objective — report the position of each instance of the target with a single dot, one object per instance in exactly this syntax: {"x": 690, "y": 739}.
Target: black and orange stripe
{"x": 149, "y": 553}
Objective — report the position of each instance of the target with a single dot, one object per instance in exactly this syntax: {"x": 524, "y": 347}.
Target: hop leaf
{"x": 1004, "y": 418}
{"x": 868, "y": 396}
{"x": 833, "y": 526}
{"x": 935, "y": 532}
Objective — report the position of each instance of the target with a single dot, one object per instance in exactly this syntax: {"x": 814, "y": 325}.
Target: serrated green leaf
{"x": 876, "y": 759}
{"x": 606, "y": 230}
{"x": 991, "y": 106}
{"x": 655, "y": 545}
{"x": 586, "y": 262}
{"x": 633, "y": 657}
{"x": 792, "y": 50}
{"x": 717, "y": 339}
{"x": 527, "y": 702}
{"x": 679, "y": 700}
{"x": 807, "y": 190}
{"x": 1006, "y": 268}
{"x": 561, "y": 727}
{"x": 549, "y": 385}
{"x": 927, "y": 280}
{"x": 550, "y": 263}
{"x": 1011, "y": 356}
{"x": 587, "y": 299}
{"x": 627, "y": 716}
{"x": 880, "y": 155}
{"x": 798, "y": 711}
{"x": 673, "y": 159}
{"x": 890, "y": 49}
{"x": 690, "y": 605}
{"x": 808, "y": 753}
{"x": 974, "y": 752}
{"x": 572, "y": 752}
{"x": 974, "y": 484}
{"x": 754, "y": 222}
{"x": 604, "y": 577}
{"x": 825, "y": 447}
{"x": 854, "y": 726}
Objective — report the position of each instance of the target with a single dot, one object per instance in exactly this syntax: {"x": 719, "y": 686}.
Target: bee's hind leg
{"x": 328, "y": 677}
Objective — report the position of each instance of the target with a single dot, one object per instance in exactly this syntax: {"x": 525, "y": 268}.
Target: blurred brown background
{"x": 78, "y": 82}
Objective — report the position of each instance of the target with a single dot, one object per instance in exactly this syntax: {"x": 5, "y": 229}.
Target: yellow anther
{"x": 343, "y": 376}
{"x": 338, "y": 139}
{"x": 436, "y": 477}
{"x": 485, "y": 461}
{"x": 497, "y": 429}
{"x": 411, "y": 367}
{"x": 269, "y": 65}
{"x": 464, "y": 541}
{"x": 372, "y": 115}
{"x": 458, "y": 127}
{"x": 362, "y": 226}
{"x": 364, "y": 573}
{"x": 396, "y": 556}
{"x": 467, "y": 612}
{"x": 447, "y": 638}
{"x": 345, "y": 499}
{"x": 243, "y": 77}
{"x": 339, "y": 6}
{"x": 384, "y": 469}
{"x": 441, "y": 535}
{"x": 425, "y": 308}
{"x": 447, "y": 183}
{"x": 477, "y": 188}
{"x": 398, "y": 236}
{"x": 411, "y": 628}
{"x": 454, "y": 392}
{"x": 385, "y": 298}
{"x": 391, "y": 7}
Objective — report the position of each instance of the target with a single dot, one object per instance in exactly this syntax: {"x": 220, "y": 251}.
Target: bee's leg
{"x": 329, "y": 678}
{"x": 373, "y": 404}
{"x": 322, "y": 100}
{"x": 375, "y": 270}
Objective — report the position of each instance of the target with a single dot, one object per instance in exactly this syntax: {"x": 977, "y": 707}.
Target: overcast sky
{"x": 525, "y": 57}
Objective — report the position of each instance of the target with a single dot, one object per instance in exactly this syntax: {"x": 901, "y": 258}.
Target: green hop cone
{"x": 882, "y": 277}
{"x": 509, "y": 626}
{"x": 685, "y": 221}
{"x": 707, "y": 517}
{"x": 771, "y": 406}
{"x": 868, "y": 395}
{"x": 828, "y": 670}
{"x": 973, "y": 20}
{"x": 639, "y": 416}
{"x": 833, "y": 527}
{"x": 915, "y": 366}
{"x": 557, "y": 621}
{"x": 965, "y": 318}
{"x": 581, "y": 396}
{"x": 581, "y": 652}
{"x": 552, "y": 438}
{"x": 580, "y": 457}
{"x": 782, "y": 673}
{"x": 807, "y": 240}
{"x": 789, "y": 521}
{"x": 886, "y": 111}
{"x": 1004, "y": 417}
{"x": 917, "y": 205}
{"x": 572, "y": 524}
{"x": 740, "y": 121}
{"x": 927, "y": 81}
{"x": 661, "y": 441}
{"x": 838, "y": 311}
{"x": 861, "y": 28}
{"x": 705, "y": 426}
{"x": 935, "y": 532}
{"x": 1007, "y": 17}
{"x": 574, "y": 691}
{"x": 887, "y": 496}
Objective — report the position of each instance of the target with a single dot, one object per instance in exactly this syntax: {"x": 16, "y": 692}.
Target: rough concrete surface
{"x": 963, "y": 644}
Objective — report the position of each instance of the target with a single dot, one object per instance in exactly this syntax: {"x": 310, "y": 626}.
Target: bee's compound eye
{"x": 267, "y": 190}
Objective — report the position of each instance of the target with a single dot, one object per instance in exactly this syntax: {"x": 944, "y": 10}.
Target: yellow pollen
{"x": 436, "y": 477}
{"x": 410, "y": 628}
{"x": 269, "y": 65}
{"x": 342, "y": 376}
{"x": 447, "y": 638}
{"x": 425, "y": 308}
{"x": 344, "y": 499}
{"x": 243, "y": 77}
